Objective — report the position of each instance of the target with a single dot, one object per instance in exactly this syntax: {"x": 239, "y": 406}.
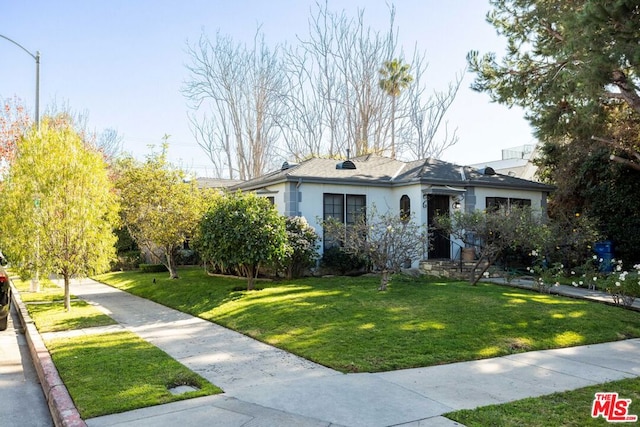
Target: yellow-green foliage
{"x": 160, "y": 209}
{"x": 58, "y": 203}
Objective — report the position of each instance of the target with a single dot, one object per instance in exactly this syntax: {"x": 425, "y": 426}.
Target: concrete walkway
{"x": 265, "y": 386}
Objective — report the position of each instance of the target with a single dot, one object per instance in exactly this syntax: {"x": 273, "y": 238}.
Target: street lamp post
{"x": 36, "y": 57}
{"x": 35, "y": 281}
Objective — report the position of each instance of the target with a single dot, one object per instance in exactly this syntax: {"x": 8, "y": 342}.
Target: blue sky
{"x": 122, "y": 61}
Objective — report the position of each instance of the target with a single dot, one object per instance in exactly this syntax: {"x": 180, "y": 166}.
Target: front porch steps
{"x": 449, "y": 268}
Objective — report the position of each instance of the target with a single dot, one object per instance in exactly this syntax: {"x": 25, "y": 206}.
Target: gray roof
{"x": 216, "y": 182}
{"x": 382, "y": 171}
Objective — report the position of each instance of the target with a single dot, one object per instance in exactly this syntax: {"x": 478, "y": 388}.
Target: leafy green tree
{"x": 160, "y": 208}
{"x": 574, "y": 67}
{"x": 59, "y": 208}
{"x": 243, "y": 231}
{"x": 394, "y": 78}
{"x": 571, "y": 65}
{"x": 388, "y": 241}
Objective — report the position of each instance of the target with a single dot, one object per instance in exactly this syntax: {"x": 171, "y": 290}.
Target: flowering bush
{"x": 589, "y": 273}
{"x": 624, "y": 286}
{"x": 545, "y": 275}
{"x": 303, "y": 241}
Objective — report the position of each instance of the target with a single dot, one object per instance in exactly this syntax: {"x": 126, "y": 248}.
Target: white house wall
{"x": 384, "y": 199}
{"x": 306, "y": 199}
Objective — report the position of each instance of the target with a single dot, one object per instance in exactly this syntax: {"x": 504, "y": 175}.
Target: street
{"x": 23, "y": 402}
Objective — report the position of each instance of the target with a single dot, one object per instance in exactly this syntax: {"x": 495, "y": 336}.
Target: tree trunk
{"x": 475, "y": 279}
{"x": 67, "y": 292}
{"x": 251, "y": 272}
{"x": 171, "y": 264}
{"x": 384, "y": 279}
{"x": 393, "y": 127}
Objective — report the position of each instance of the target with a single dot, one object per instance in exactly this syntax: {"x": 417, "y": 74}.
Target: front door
{"x": 440, "y": 246}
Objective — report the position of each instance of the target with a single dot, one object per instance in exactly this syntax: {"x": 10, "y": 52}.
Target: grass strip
{"x": 570, "y": 409}
{"x": 46, "y": 308}
{"x": 118, "y": 372}
{"x": 345, "y": 323}
{"x": 52, "y": 317}
{"x": 49, "y": 291}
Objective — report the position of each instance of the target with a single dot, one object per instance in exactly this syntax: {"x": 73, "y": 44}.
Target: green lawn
{"x": 117, "y": 372}
{"x": 570, "y": 409}
{"x": 345, "y": 323}
{"x": 52, "y": 317}
{"x": 46, "y": 308}
{"x": 49, "y": 291}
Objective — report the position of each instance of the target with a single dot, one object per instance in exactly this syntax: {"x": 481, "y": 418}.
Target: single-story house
{"x": 322, "y": 188}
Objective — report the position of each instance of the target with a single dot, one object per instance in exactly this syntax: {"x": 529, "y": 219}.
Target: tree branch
{"x": 625, "y": 162}
{"x": 627, "y": 91}
{"x": 617, "y": 145}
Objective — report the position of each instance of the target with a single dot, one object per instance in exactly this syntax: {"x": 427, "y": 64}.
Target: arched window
{"x": 405, "y": 208}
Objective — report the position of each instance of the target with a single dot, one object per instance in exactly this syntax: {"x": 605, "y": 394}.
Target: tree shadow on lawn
{"x": 352, "y": 330}
{"x": 346, "y": 324}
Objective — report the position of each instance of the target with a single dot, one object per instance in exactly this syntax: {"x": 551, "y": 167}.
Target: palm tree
{"x": 394, "y": 77}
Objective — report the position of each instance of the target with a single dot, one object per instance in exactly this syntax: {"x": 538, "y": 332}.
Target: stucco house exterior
{"x": 320, "y": 188}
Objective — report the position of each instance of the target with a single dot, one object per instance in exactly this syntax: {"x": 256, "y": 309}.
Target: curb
{"x": 63, "y": 410}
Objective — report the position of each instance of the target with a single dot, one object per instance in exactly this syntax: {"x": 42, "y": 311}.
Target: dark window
{"x": 405, "y": 208}
{"x": 495, "y": 203}
{"x": 344, "y": 208}
{"x": 356, "y": 206}
{"x": 334, "y": 207}
{"x": 521, "y": 203}
{"x": 271, "y": 199}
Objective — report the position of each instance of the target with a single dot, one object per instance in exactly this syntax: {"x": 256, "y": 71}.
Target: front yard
{"x": 346, "y": 324}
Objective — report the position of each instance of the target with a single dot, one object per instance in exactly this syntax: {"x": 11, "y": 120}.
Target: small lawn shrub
{"x": 336, "y": 259}
{"x": 303, "y": 241}
{"x": 153, "y": 268}
{"x": 128, "y": 260}
{"x": 187, "y": 257}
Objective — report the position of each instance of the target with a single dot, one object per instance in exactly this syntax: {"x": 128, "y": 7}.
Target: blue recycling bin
{"x": 604, "y": 250}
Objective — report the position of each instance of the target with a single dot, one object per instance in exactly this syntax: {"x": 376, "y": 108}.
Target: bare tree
{"x": 344, "y": 55}
{"x": 237, "y": 94}
{"x": 389, "y": 241}
{"x": 339, "y": 101}
{"x": 108, "y": 141}
{"x": 319, "y": 97}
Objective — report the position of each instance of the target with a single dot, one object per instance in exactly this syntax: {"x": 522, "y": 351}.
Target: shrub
{"x": 303, "y": 241}
{"x": 244, "y": 231}
{"x": 153, "y": 268}
{"x": 623, "y": 285}
{"x": 335, "y": 258}
{"x": 187, "y": 257}
{"x": 128, "y": 260}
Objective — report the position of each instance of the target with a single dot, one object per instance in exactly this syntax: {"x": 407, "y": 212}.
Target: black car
{"x": 5, "y": 295}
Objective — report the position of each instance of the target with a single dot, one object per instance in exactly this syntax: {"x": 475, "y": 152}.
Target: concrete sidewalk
{"x": 265, "y": 386}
